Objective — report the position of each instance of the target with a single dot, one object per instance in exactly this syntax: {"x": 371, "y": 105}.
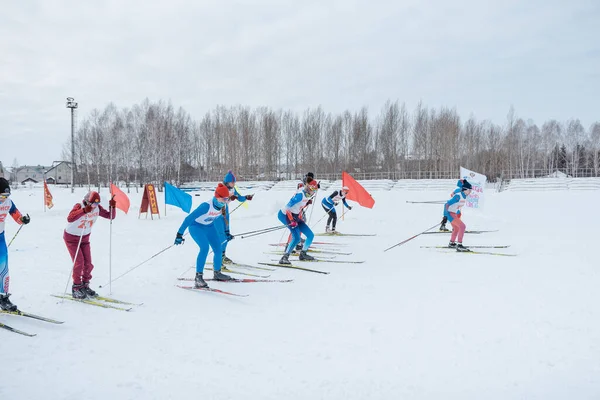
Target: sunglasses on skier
{"x": 4, "y": 196}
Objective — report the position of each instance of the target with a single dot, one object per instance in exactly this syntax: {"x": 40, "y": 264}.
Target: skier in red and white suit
{"x": 81, "y": 219}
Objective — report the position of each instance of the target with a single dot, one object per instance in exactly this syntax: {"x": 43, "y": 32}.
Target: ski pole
{"x": 411, "y": 238}
{"x": 238, "y": 206}
{"x": 13, "y": 238}
{"x": 140, "y": 264}
{"x": 427, "y": 202}
{"x": 73, "y": 267}
{"x": 259, "y": 230}
{"x": 265, "y": 231}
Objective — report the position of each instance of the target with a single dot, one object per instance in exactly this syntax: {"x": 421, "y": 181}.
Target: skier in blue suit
{"x": 7, "y": 207}
{"x": 202, "y": 224}
{"x": 223, "y": 224}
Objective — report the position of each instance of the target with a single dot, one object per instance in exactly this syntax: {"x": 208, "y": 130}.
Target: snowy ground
{"x": 411, "y": 323}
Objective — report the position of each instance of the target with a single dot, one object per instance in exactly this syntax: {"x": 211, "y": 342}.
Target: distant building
{"x": 28, "y": 173}
{"x": 59, "y": 173}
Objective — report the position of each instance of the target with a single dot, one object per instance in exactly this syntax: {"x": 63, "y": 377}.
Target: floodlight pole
{"x": 73, "y": 106}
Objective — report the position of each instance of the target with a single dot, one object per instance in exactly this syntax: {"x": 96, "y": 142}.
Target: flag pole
{"x": 110, "y": 210}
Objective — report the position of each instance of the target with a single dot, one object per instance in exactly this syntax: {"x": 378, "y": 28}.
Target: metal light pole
{"x": 72, "y": 105}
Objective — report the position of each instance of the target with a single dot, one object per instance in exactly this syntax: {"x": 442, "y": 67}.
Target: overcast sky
{"x": 541, "y": 56}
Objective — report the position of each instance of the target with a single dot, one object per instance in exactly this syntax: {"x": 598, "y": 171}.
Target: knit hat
{"x": 4, "y": 187}
{"x": 466, "y": 185}
{"x": 222, "y": 191}
{"x": 230, "y": 177}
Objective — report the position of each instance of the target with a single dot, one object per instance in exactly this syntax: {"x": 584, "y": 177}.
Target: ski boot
{"x": 327, "y": 229}
{"x": 219, "y": 276}
{"x": 78, "y": 292}
{"x": 199, "y": 282}
{"x": 88, "y": 291}
{"x": 452, "y": 245}
{"x": 443, "y": 228}
{"x": 461, "y": 248}
{"x": 306, "y": 257}
{"x": 285, "y": 259}
{"x": 5, "y": 303}
{"x": 227, "y": 260}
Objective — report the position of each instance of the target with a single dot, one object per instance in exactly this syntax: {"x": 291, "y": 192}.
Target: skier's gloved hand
{"x": 179, "y": 239}
{"x": 293, "y": 224}
{"x": 309, "y": 202}
{"x": 349, "y": 207}
{"x": 233, "y": 197}
{"x": 249, "y": 196}
{"x": 88, "y": 208}
{"x": 112, "y": 203}
{"x": 229, "y": 236}
{"x": 25, "y": 219}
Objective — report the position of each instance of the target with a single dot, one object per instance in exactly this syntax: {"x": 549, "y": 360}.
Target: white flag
{"x": 478, "y": 181}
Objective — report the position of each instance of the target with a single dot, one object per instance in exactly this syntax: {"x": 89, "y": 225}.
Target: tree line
{"x": 152, "y": 142}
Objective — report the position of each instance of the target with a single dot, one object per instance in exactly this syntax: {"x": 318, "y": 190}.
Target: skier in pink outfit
{"x": 452, "y": 212}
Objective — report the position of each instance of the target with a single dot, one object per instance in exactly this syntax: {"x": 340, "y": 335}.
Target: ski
{"x": 296, "y": 254}
{"x": 209, "y": 289}
{"x": 483, "y": 252}
{"x": 474, "y": 232}
{"x": 339, "y": 253}
{"x": 13, "y": 330}
{"x": 243, "y": 266}
{"x": 315, "y": 242}
{"x": 329, "y": 261}
{"x": 470, "y": 247}
{"x": 232, "y": 271}
{"x": 90, "y": 302}
{"x": 115, "y": 301}
{"x": 295, "y": 267}
{"x": 344, "y": 234}
{"x": 28, "y": 315}
{"x": 243, "y": 280}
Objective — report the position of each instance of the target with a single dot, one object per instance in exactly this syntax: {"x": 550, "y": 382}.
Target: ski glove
{"x": 179, "y": 239}
{"x": 112, "y": 203}
{"x": 249, "y": 196}
{"x": 233, "y": 197}
{"x": 309, "y": 202}
{"x": 349, "y": 207}
{"x": 87, "y": 208}
{"x": 229, "y": 236}
{"x": 25, "y": 219}
{"x": 293, "y": 224}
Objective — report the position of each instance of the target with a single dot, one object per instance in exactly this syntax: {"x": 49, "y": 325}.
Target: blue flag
{"x": 178, "y": 198}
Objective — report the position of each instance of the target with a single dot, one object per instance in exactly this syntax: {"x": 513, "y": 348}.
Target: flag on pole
{"x": 47, "y": 196}
{"x": 357, "y": 192}
{"x": 478, "y": 181}
{"x": 178, "y": 198}
{"x": 120, "y": 197}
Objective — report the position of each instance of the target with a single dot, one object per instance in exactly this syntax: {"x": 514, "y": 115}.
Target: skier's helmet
{"x": 91, "y": 198}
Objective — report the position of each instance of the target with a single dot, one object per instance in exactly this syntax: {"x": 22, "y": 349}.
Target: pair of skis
{"x": 469, "y": 251}
{"x": 101, "y": 301}
{"x": 20, "y": 313}
{"x": 209, "y": 289}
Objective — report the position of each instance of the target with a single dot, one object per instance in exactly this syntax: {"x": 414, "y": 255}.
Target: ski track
{"x": 409, "y": 323}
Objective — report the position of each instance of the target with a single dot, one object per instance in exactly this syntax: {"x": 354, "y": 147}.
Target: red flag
{"x": 357, "y": 192}
{"x": 120, "y": 197}
{"x": 47, "y": 196}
